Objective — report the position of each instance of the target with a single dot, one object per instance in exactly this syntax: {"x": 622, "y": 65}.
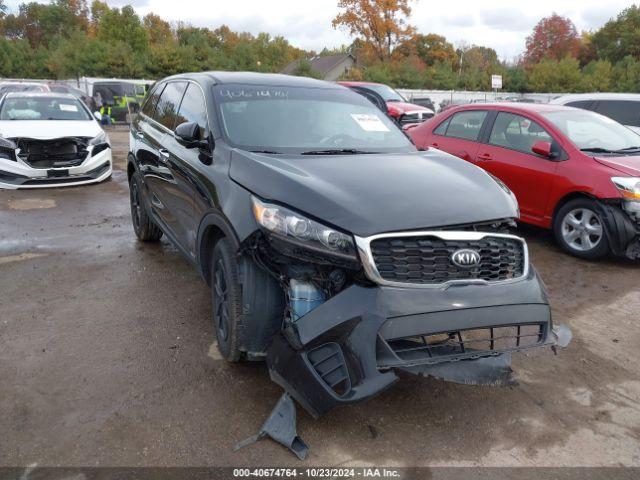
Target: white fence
{"x": 440, "y": 96}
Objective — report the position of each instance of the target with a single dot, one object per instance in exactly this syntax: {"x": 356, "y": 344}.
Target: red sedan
{"x": 572, "y": 170}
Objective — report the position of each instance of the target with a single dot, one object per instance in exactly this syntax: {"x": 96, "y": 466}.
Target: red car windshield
{"x": 590, "y": 131}
{"x": 388, "y": 93}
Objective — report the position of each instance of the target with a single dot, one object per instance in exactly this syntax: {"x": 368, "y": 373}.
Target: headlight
{"x": 303, "y": 231}
{"x": 100, "y": 143}
{"x": 629, "y": 187}
{"x": 7, "y": 149}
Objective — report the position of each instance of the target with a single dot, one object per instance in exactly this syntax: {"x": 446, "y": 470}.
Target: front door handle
{"x": 139, "y": 135}
{"x": 434, "y": 144}
{"x": 484, "y": 156}
{"x": 164, "y": 155}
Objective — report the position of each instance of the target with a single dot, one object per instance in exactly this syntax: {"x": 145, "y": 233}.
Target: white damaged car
{"x": 50, "y": 140}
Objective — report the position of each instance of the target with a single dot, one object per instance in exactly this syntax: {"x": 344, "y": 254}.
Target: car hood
{"x": 48, "y": 129}
{"x": 376, "y": 193}
{"x": 404, "y": 107}
{"x": 628, "y": 164}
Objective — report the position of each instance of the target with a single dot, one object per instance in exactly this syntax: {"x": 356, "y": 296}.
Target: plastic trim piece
{"x": 363, "y": 244}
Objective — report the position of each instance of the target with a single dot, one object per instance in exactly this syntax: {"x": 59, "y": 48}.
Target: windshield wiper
{"x": 337, "y": 151}
{"x": 598, "y": 150}
{"x": 270, "y": 152}
{"x": 606, "y": 150}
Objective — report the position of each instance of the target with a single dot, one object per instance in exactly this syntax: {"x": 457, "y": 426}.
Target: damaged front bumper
{"x": 350, "y": 347}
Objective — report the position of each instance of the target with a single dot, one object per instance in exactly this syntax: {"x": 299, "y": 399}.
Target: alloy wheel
{"x": 221, "y": 302}
{"x": 582, "y": 229}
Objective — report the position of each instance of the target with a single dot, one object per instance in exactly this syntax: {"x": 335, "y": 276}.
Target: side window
{"x": 167, "y": 108}
{"x": 442, "y": 128}
{"x": 584, "y": 104}
{"x": 193, "y": 109}
{"x": 150, "y": 105}
{"x": 625, "y": 112}
{"x": 466, "y": 125}
{"x": 517, "y": 132}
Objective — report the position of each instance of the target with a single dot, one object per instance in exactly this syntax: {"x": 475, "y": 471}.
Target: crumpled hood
{"x": 376, "y": 193}
{"x": 48, "y": 129}
{"x": 407, "y": 107}
{"x": 627, "y": 164}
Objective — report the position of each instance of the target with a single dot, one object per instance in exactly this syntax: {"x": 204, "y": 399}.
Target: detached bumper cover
{"x": 348, "y": 349}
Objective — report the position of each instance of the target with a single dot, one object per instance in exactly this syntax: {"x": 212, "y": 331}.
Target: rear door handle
{"x": 164, "y": 155}
{"x": 434, "y": 144}
{"x": 463, "y": 155}
{"x": 484, "y": 156}
{"x": 138, "y": 134}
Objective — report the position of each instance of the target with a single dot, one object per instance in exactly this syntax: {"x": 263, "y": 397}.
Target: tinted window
{"x": 466, "y": 125}
{"x": 517, "y": 132}
{"x": 150, "y": 105}
{"x": 442, "y": 128}
{"x": 193, "y": 109}
{"x": 584, "y": 104}
{"x": 168, "y": 104}
{"x": 622, "y": 111}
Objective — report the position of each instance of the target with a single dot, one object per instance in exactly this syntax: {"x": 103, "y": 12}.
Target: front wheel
{"x": 226, "y": 296}
{"x": 143, "y": 226}
{"x": 579, "y": 229}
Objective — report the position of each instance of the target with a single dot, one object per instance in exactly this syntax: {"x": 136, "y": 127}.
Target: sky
{"x": 499, "y": 24}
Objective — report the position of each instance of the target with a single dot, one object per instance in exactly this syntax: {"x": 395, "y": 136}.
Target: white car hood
{"x": 48, "y": 129}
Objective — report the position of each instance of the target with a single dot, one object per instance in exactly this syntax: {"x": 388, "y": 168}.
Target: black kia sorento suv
{"x": 334, "y": 249}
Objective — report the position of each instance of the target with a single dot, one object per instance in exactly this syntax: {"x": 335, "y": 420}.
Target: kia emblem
{"x": 465, "y": 258}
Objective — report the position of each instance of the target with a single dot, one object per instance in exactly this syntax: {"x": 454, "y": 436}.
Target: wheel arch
{"x": 566, "y": 199}
{"x": 131, "y": 166}
{"x": 212, "y": 228}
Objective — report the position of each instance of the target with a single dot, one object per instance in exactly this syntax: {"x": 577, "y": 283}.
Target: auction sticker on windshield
{"x": 369, "y": 123}
{"x": 65, "y": 107}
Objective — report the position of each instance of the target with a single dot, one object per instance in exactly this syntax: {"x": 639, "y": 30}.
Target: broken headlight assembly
{"x": 99, "y": 143}
{"x": 301, "y": 232}
{"x": 629, "y": 188}
{"x": 7, "y": 149}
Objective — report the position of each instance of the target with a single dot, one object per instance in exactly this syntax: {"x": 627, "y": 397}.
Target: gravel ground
{"x": 107, "y": 357}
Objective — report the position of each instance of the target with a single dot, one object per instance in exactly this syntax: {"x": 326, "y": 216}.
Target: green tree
{"x": 304, "y": 69}
{"x": 597, "y": 76}
{"x": 620, "y": 37}
{"x": 626, "y": 75}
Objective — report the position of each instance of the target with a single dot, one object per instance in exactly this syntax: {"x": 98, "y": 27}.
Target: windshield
{"x": 388, "y": 93}
{"x": 300, "y": 119}
{"x": 111, "y": 90}
{"x": 42, "y": 108}
{"x": 591, "y": 131}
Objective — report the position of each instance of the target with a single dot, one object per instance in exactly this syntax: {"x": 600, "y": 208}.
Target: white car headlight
{"x": 102, "y": 137}
{"x": 307, "y": 233}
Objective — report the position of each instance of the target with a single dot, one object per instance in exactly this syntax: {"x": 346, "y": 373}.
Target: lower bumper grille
{"x": 56, "y": 153}
{"x": 480, "y": 341}
{"x": 429, "y": 258}
{"x": 328, "y": 362}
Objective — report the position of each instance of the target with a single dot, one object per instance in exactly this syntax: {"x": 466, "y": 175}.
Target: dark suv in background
{"x": 333, "y": 248}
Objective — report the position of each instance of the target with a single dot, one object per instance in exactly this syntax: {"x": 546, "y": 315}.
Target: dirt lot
{"x": 107, "y": 358}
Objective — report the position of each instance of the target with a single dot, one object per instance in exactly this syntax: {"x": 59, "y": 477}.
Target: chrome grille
{"x": 425, "y": 258}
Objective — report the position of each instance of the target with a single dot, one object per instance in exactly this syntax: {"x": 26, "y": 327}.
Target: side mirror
{"x": 98, "y": 115}
{"x": 542, "y": 148}
{"x": 188, "y": 134}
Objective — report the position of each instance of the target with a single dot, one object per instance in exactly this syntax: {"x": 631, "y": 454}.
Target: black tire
{"x": 226, "y": 299}
{"x": 143, "y": 226}
{"x": 590, "y": 216}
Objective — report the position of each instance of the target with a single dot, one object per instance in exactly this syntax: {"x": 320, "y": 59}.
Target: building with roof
{"x": 331, "y": 67}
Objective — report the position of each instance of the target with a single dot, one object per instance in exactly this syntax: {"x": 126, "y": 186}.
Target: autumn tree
{"x": 430, "y": 48}
{"x": 554, "y": 37}
{"x": 382, "y": 24}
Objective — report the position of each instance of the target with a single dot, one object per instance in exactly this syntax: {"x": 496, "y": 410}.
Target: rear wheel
{"x": 579, "y": 229}
{"x": 143, "y": 226}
